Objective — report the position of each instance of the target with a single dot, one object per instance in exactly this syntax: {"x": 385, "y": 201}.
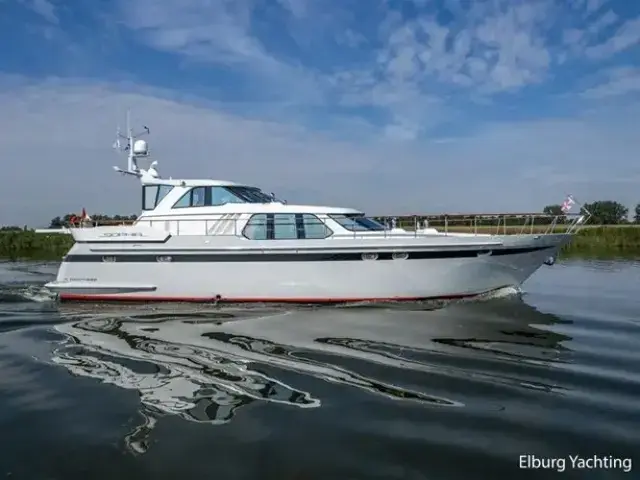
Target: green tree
{"x": 553, "y": 210}
{"x": 607, "y": 212}
{"x": 636, "y": 217}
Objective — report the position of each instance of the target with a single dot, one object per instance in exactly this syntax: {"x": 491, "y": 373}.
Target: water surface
{"x": 359, "y": 392}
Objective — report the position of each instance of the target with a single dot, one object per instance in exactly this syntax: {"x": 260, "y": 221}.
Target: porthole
{"x": 369, "y": 256}
{"x": 400, "y": 255}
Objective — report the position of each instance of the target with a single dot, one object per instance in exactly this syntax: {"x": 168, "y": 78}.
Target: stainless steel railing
{"x": 324, "y": 226}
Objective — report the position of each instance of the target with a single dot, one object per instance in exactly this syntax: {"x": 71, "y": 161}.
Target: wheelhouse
{"x": 199, "y": 207}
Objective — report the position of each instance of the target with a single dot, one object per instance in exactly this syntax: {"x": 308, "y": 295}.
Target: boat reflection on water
{"x": 204, "y": 363}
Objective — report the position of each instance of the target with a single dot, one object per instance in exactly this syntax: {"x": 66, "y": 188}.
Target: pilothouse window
{"x": 214, "y": 196}
{"x": 250, "y": 194}
{"x": 152, "y": 195}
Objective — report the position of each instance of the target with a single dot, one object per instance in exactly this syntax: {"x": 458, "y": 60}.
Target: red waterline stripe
{"x": 157, "y": 299}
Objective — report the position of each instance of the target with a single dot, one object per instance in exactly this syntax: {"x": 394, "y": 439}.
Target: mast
{"x": 135, "y": 149}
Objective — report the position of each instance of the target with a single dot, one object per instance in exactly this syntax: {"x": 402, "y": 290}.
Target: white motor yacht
{"x": 220, "y": 241}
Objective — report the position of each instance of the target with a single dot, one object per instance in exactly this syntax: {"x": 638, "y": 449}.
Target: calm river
{"x": 542, "y": 384}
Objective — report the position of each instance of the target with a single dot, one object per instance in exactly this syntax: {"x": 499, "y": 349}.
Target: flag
{"x": 84, "y": 215}
{"x": 568, "y": 203}
{"x": 116, "y": 144}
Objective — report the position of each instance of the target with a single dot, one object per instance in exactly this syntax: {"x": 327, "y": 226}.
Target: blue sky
{"x": 391, "y": 106}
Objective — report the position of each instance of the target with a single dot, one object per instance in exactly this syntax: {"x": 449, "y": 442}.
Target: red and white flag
{"x": 84, "y": 215}
{"x": 568, "y": 203}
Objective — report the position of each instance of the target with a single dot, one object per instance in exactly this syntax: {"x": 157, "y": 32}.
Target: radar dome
{"x": 140, "y": 147}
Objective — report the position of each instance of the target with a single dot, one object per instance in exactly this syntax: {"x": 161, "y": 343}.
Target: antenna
{"x": 135, "y": 149}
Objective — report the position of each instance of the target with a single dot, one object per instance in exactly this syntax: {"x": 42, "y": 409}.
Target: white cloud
{"x": 619, "y": 81}
{"x": 626, "y": 36}
{"x": 44, "y": 8}
{"x": 605, "y": 20}
{"x": 412, "y": 64}
{"x": 57, "y": 157}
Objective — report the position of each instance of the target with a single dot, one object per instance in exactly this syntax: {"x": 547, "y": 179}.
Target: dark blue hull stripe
{"x": 294, "y": 257}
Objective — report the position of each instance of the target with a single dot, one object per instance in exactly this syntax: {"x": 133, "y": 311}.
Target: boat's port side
{"x": 405, "y": 271}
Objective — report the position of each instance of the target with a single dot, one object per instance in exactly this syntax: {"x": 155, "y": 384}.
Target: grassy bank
{"x": 602, "y": 241}
{"x": 34, "y": 246}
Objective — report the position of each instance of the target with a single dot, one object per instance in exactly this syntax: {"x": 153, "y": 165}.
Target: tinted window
{"x": 256, "y": 228}
{"x": 314, "y": 228}
{"x": 250, "y": 194}
{"x": 284, "y": 226}
{"x": 221, "y": 195}
{"x": 357, "y": 223}
{"x": 185, "y": 201}
{"x": 198, "y": 197}
{"x": 152, "y": 195}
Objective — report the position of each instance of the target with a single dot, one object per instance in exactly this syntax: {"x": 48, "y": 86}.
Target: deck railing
{"x": 416, "y": 225}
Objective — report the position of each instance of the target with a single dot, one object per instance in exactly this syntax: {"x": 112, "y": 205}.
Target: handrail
{"x": 415, "y": 225}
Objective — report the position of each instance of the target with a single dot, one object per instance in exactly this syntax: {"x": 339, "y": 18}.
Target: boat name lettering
{"x": 122, "y": 234}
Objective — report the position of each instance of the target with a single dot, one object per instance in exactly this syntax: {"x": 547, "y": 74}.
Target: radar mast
{"x": 135, "y": 148}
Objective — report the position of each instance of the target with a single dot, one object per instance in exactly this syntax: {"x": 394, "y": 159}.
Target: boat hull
{"x": 303, "y": 278}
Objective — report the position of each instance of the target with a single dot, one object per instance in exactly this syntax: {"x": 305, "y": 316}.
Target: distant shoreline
{"x": 593, "y": 240}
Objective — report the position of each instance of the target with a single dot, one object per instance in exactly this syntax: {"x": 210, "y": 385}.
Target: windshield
{"x": 250, "y": 194}
{"x": 152, "y": 195}
{"x": 357, "y": 223}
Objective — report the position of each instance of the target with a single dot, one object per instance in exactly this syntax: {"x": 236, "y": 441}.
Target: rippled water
{"x": 359, "y": 392}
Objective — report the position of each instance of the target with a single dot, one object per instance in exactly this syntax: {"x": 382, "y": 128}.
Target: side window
{"x": 184, "y": 202}
{"x": 256, "y": 228}
{"x": 149, "y": 193}
{"x": 284, "y": 226}
{"x": 196, "y": 197}
{"x": 220, "y": 196}
{"x": 314, "y": 227}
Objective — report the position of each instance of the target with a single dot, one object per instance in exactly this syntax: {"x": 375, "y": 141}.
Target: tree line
{"x": 96, "y": 219}
{"x": 603, "y": 212}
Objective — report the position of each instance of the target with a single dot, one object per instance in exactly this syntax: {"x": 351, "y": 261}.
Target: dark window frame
{"x": 239, "y": 192}
{"x": 354, "y": 217}
{"x": 270, "y": 227}
{"x": 157, "y": 199}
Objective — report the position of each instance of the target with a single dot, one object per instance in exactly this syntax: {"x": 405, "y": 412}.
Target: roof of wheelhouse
{"x": 198, "y": 182}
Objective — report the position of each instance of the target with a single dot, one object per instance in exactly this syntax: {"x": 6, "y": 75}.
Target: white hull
{"x": 211, "y": 240}
{"x": 223, "y": 276}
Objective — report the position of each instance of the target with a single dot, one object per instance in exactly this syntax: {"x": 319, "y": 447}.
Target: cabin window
{"x": 313, "y": 227}
{"x": 357, "y": 223}
{"x": 152, "y": 195}
{"x": 285, "y": 226}
{"x": 256, "y": 228}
